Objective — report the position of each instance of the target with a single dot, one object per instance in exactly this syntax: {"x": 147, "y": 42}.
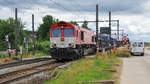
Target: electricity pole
{"x": 16, "y": 37}
{"x": 97, "y": 26}
{"x": 118, "y": 30}
{"x": 110, "y": 31}
{"x": 33, "y": 51}
{"x": 21, "y": 47}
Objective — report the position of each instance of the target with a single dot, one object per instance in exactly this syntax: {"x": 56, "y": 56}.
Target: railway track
{"x": 18, "y": 74}
{"x": 23, "y": 62}
{"x": 26, "y": 70}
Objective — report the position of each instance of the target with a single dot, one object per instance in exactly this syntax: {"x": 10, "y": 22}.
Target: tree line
{"x": 8, "y": 26}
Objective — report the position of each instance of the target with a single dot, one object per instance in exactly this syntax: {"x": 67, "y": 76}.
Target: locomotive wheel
{"x": 76, "y": 56}
{"x": 58, "y": 60}
{"x": 80, "y": 53}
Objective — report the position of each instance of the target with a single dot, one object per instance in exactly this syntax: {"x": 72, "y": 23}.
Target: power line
{"x": 79, "y": 8}
{"x": 59, "y": 5}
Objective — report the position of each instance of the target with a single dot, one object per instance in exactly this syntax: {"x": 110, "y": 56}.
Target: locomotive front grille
{"x": 68, "y": 42}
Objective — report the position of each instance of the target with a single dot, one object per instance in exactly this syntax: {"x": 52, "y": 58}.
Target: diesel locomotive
{"x": 68, "y": 41}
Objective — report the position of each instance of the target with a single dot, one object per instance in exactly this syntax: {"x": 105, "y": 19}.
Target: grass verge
{"x": 88, "y": 69}
{"x": 123, "y": 52}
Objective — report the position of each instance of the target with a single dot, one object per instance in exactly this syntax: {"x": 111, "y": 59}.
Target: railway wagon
{"x": 68, "y": 41}
{"x": 104, "y": 42}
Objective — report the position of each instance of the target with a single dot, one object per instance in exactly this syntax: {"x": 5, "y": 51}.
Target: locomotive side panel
{"x": 85, "y": 37}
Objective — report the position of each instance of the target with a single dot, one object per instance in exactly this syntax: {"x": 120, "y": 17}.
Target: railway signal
{"x": 6, "y": 38}
{"x": 9, "y": 48}
{"x": 125, "y": 39}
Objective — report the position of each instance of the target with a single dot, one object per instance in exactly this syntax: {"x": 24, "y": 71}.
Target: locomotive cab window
{"x": 77, "y": 33}
{"x": 56, "y": 32}
{"x": 93, "y": 39}
{"x": 82, "y": 35}
{"x": 68, "y": 32}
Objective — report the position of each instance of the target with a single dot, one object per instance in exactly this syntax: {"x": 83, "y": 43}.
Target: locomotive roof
{"x": 63, "y": 23}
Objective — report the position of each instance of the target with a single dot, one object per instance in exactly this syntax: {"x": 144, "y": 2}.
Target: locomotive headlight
{"x": 53, "y": 45}
{"x": 71, "y": 44}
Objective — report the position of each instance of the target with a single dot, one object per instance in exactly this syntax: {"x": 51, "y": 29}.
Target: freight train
{"x": 69, "y": 42}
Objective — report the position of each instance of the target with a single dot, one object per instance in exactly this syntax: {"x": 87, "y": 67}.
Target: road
{"x": 136, "y": 69}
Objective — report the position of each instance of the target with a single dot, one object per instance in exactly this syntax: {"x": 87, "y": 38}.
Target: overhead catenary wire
{"x": 79, "y": 9}
{"x": 66, "y": 9}
{"x": 57, "y": 5}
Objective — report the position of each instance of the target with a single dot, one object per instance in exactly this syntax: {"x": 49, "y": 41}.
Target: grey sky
{"x": 133, "y": 14}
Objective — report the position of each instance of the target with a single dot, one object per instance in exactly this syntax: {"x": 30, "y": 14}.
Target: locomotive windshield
{"x": 56, "y": 32}
{"x": 68, "y": 32}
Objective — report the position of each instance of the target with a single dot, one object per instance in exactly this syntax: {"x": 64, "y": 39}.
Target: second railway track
{"x": 23, "y": 62}
{"x": 7, "y": 78}
{"x": 15, "y": 73}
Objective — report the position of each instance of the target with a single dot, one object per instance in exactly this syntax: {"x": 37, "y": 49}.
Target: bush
{"x": 43, "y": 46}
{"x": 123, "y": 53}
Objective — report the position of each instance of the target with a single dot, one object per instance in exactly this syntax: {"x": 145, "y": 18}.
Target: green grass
{"x": 37, "y": 54}
{"x": 147, "y": 44}
{"x": 88, "y": 69}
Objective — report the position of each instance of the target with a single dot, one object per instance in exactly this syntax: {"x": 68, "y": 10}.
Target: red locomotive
{"x": 68, "y": 41}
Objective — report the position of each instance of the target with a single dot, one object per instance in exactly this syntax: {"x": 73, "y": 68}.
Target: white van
{"x": 137, "y": 48}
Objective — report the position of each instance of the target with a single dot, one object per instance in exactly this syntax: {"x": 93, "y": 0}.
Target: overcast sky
{"x": 133, "y": 14}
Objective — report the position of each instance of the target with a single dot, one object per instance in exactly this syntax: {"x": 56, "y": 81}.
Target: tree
{"x": 85, "y": 25}
{"x": 74, "y": 23}
{"x": 7, "y": 27}
{"x": 43, "y": 29}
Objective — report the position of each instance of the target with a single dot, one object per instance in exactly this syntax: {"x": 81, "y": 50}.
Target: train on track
{"x": 68, "y": 41}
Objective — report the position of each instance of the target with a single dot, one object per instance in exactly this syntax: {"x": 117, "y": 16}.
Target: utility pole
{"x": 110, "y": 31}
{"x": 122, "y": 36}
{"x": 21, "y": 47}
{"x": 97, "y": 26}
{"x": 118, "y": 30}
{"x": 16, "y": 37}
{"x": 33, "y": 49}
